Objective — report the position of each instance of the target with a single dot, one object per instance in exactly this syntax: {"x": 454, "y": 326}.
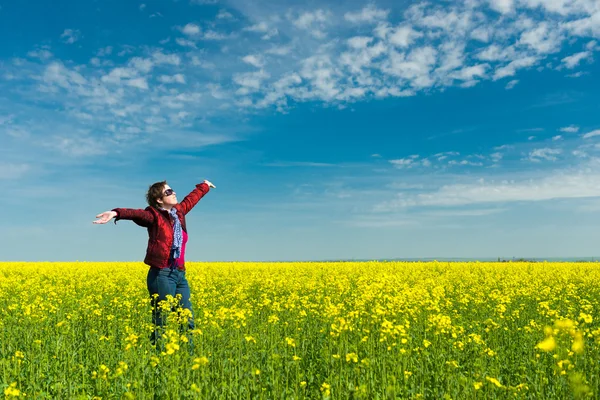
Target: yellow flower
{"x": 426, "y": 343}
{"x": 494, "y": 381}
{"x": 352, "y": 357}
{"x": 477, "y": 385}
{"x": 154, "y": 361}
{"x": 565, "y": 324}
{"x": 12, "y": 391}
{"x": 172, "y": 348}
{"x": 198, "y": 362}
{"x": 586, "y": 318}
{"x": 547, "y": 344}
{"x": 577, "y": 346}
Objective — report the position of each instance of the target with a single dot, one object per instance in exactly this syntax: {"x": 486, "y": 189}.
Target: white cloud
{"x": 588, "y": 26}
{"x": 482, "y": 33}
{"x": 261, "y": 27}
{"x": 250, "y": 81}
{"x": 573, "y": 60}
{"x": 191, "y": 29}
{"x": 177, "y": 78}
{"x": 556, "y": 138}
{"x": 359, "y": 42}
{"x": 511, "y": 84}
{"x": 560, "y": 184}
{"x": 298, "y": 164}
{"x": 279, "y": 50}
{"x": 139, "y": 83}
{"x": 313, "y": 22}
{"x": 546, "y": 153}
{"x": 402, "y": 162}
{"x": 57, "y": 74}
{"x": 415, "y": 67}
{"x": 513, "y": 66}
{"x": 160, "y": 58}
{"x": 70, "y": 36}
{"x": 470, "y": 73}
{"x": 143, "y": 65}
{"x": 496, "y": 157}
{"x": 42, "y": 54}
{"x": 224, "y": 14}
{"x": 119, "y": 73}
{"x": 465, "y": 163}
{"x": 502, "y": 6}
{"x": 404, "y": 36}
{"x": 577, "y": 74}
{"x": 254, "y": 60}
{"x": 185, "y": 42}
{"x": 197, "y": 62}
{"x": 104, "y": 51}
{"x": 368, "y": 14}
{"x": 592, "y": 134}
{"x": 570, "y": 129}
{"x": 212, "y": 35}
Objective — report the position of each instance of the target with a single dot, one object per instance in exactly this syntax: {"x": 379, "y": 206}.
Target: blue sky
{"x": 331, "y": 130}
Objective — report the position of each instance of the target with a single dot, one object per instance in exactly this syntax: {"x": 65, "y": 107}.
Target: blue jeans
{"x": 167, "y": 281}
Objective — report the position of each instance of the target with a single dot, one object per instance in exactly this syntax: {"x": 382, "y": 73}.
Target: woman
{"x": 167, "y": 236}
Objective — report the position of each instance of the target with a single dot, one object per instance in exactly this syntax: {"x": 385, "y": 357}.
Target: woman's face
{"x": 169, "y": 197}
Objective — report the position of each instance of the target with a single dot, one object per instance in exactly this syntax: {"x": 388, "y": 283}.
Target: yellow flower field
{"x": 305, "y": 330}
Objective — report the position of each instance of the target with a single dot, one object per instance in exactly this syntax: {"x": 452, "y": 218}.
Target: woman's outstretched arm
{"x": 195, "y": 195}
{"x": 143, "y": 218}
{"x": 105, "y": 217}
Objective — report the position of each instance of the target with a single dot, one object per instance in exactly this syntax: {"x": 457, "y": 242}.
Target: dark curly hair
{"x": 155, "y": 192}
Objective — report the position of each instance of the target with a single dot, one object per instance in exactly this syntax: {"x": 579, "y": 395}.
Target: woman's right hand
{"x": 105, "y": 217}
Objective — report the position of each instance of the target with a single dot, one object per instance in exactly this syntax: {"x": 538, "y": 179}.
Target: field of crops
{"x": 305, "y": 330}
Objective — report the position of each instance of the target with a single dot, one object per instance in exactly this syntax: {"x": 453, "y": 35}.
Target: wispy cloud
{"x": 579, "y": 183}
{"x": 570, "y": 129}
{"x": 573, "y": 60}
{"x": 591, "y": 134}
{"x": 70, "y": 36}
{"x": 369, "y": 14}
{"x": 286, "y": 164}
{"x": 545, "y": 153}
{"x": 125, "y": 94}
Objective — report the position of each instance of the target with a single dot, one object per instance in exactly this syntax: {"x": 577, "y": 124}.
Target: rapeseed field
{"x": 371, "y": 330}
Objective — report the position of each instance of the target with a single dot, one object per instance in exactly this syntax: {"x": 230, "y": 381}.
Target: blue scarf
{"x": 177, "y": 234}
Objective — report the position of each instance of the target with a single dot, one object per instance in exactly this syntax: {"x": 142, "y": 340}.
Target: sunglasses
{"x": 169, "y": 192}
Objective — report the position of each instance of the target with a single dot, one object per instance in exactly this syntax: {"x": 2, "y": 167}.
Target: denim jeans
{"x": 167, "y": 281}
